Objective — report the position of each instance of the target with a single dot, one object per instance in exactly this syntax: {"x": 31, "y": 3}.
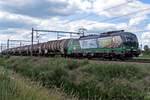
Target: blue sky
{"x": 17, "y": 17}
{"x": 146, "y": 1}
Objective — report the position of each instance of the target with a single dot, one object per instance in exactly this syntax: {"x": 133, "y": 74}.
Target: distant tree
{"x": 146, "y": 48}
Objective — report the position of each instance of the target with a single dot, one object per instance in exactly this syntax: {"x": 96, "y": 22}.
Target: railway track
{"x": 139, "y": 60}
{"x": 106, "y": 60}
{"x": 131, "y": 61}
{"x": 125, "y": 61}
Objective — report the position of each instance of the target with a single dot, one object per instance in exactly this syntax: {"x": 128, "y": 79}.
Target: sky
{"x": 18, "y": 17}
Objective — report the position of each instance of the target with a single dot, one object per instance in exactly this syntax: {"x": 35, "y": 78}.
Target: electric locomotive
{"x": 114, "y": 44}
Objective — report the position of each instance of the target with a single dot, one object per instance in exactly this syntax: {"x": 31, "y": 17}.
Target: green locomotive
{"x": 113, "y": 44}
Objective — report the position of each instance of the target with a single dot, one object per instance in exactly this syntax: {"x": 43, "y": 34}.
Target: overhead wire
{"x": 116, "y": 6}
{"x": 117, "y": 17}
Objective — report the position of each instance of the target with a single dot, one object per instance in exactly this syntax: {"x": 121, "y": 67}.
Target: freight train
{"x": 112, "y": 44}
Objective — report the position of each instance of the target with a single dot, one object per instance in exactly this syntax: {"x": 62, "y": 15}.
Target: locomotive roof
{"x": 114, "y": 33}
{"x": 89, "y": 37}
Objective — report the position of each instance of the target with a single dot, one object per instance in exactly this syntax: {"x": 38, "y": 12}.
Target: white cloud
{"x": 148, "y": 27}
{"x": 83, "y": 5}
{"x": 16, "y": 2}
{"x": 17, "y": 17}
{"x": 122, "y": 26}
{"x": 76, "y": 6}
{"x": 137, "y": 20}
{"x": 100, "y": 5}
{"x": 95, "y": 6}
{"x": 13, "y": 33}
{"x": 146, "y": 38}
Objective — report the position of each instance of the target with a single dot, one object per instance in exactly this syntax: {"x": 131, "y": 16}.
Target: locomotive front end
{"x": 130, "y": 44}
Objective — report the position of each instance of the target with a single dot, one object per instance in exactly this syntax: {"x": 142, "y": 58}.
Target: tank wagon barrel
{"x": 46, "y": 48}
{"x": 59, "y": 46}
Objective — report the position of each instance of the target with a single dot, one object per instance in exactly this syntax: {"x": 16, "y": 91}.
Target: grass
{"x": 144, "y": 55}
{"x": 85, "y": 80}
{"x": 14, "y": 87}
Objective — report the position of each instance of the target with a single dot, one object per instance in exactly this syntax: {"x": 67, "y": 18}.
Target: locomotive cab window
{"x": 131, "y": 40}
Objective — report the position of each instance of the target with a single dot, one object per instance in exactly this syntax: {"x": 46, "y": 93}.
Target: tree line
{"x": 146, "y": 48}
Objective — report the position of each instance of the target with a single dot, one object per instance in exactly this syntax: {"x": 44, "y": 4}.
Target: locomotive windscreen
{"x": 130, "y": 40}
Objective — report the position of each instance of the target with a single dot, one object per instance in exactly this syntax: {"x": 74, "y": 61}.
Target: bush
{"x": 82, "y": 78}
{"x": 109, "y": 71}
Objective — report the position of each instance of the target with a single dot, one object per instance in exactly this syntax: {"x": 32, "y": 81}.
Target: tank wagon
{"x": 114, "y": 44}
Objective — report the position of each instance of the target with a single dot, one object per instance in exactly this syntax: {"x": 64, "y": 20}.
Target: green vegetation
{"x": 85, "y": 79}
{"x": 144, "y": 55}
{"x": 13, "y": 87}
